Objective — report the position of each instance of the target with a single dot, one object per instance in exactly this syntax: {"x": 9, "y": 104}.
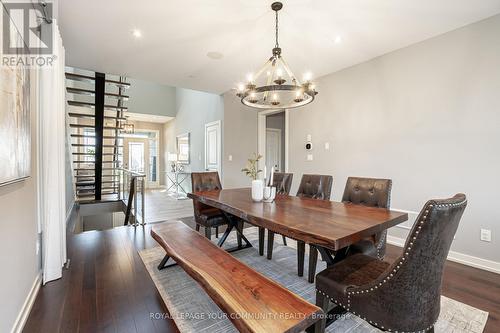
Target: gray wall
{"x": 239, "y": 140}
{"x": 193, "y": 110}
{"x": 426, "y": 116}
{"x": 18, "y": 239}
{"x": 151, "y": 98}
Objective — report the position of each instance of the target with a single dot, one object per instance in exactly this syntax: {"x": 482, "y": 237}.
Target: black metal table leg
{"x": 225, "y": 234}
{"x": 233, "y": 224}
{"x": 247, "y": 242}
{"x": 326, "y": 255}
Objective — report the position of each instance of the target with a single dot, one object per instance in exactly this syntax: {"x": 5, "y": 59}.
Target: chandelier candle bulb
{"x": 298, "y": 96}
{"x": 279, "y": 74}
{"x": 253, "y": 98}
{"x": 275, "y": 100}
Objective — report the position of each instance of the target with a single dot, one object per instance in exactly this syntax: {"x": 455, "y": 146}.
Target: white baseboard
{"x": 465, "y": 259}
{"x": 28, "y": 304}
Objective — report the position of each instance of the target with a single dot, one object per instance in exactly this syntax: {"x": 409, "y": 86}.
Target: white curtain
{"x": 51, "y": 162}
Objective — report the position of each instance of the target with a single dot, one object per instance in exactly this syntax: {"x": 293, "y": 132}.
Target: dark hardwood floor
{"x": 107, "y": 288}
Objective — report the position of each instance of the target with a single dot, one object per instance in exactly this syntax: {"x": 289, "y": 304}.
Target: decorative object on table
{"x": 183, "y": 148}
{"x": 15, "y": 125}
{"x": 269, "y": 194}
{"x": 273, "y": 92}
{"x": 269, "y": 189}
{"x": 176, "y": 176}
{"x": 172, "y": 158}
{"x": 252, "y": 171}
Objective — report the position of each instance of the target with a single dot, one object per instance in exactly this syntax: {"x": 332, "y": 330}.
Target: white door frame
{"x": 158, "y": 143}
{"x": 219, "y": 145}
{"x": 261, "y": 136}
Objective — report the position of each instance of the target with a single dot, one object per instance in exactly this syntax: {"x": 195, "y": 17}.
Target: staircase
{"x": 95, "y": 105}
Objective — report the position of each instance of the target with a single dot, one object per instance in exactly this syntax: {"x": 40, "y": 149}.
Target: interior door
{"x": 136, "y": 161}
{"x": 273, "y": 149}
{"x": 213, "y": 146}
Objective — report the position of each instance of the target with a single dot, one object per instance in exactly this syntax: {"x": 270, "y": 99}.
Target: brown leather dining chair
{"x": 206, "y": 216}
{"x": 311, "y": 186}
{"x": 371, "y": 192}
{"x": 283, "y": 183}
{"x": 403, "y": 296}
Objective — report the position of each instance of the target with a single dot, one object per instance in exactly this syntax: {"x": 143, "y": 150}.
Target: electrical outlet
{"x": 309, "y": 157}
{"x": 327, "y": 145}
{"x": 486, "y": 235}
{"x": 230, "y": 157}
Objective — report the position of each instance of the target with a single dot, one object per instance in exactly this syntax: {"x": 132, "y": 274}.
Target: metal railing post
{"x": 143, "y": 201}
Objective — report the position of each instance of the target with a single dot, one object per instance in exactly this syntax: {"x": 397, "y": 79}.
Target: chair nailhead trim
{"x": 398, "y": 266}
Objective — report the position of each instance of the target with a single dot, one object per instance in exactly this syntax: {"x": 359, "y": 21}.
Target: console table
{"x": 177, "y": 179}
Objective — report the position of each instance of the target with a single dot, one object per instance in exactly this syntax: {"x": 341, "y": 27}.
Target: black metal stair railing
{"x": 95, "y": 112}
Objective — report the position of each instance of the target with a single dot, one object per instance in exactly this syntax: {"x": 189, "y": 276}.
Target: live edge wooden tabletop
{"x": 330, "y": 224}
{"x": 255, "y": 303}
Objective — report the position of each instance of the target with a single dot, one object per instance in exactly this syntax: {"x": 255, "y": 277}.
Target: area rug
{"x": 193, "y": 311}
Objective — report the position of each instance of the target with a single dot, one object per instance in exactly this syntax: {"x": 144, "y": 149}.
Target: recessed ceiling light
{"x": 136, "y": 33}
{"x": 338, "y": 40}
{"x": 215, "y": 55}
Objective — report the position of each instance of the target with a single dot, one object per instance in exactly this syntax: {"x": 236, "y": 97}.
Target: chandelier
{"x": 126, "y": 127}
{"x": 281, "y": 89}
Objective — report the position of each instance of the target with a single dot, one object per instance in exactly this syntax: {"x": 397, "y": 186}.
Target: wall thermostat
{"x": 309, "y": 144}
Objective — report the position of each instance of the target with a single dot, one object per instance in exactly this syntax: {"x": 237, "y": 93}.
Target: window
{"x": 89, "y": 145}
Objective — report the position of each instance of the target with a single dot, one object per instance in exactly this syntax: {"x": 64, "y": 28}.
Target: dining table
{"x": 330, "y": 226}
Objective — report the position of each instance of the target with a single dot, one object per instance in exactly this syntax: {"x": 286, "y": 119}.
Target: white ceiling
{"x": 178, "y": 35}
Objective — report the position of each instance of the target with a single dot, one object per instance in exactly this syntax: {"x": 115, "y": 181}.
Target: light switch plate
{"x": 230, "y": 157}
{"x": 309, "y": 157}
{"x": 486, "y": 235}
{"x": 327, "y": 145}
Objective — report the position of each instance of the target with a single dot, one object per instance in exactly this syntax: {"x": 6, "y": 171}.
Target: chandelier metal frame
{"x": 271, "y": 95}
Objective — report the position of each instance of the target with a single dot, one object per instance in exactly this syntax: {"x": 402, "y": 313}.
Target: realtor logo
{"x": 27, "y": 34}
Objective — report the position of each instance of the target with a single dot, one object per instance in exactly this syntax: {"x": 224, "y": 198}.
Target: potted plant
{"x": 252, "y": 171}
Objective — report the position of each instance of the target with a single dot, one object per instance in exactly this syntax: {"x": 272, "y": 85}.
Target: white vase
{"x": 257, "y": 190}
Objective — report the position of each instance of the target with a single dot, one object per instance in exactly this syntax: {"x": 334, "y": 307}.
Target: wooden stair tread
{"x": 92, "y": 105}
{"x": 85, "y": 115}
{"x": 89, "y": 92}
{"x": 91, "y": 79}
{"x": 235, "y": 287}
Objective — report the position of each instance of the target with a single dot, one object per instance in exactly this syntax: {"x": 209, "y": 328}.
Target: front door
{"x": 136, "y": 161}
{"x": 213, "y": 146}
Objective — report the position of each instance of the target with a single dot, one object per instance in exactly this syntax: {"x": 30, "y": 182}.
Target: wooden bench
{"x": 252, "y": 302}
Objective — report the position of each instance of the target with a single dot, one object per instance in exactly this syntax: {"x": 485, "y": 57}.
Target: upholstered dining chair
{"x": 371, "y": 192}
{"x": 206, "y": 216}
{"x": 283, "y": 183}
{"x": 403, "y": 296}
{"x": 311, "y": 186}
